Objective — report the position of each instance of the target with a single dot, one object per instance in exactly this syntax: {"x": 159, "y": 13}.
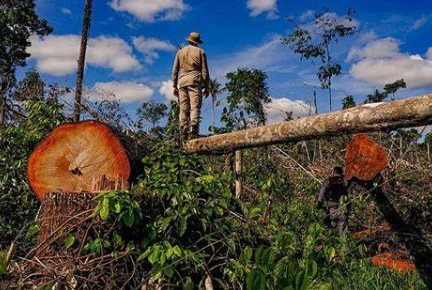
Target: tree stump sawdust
{"x": 79, "y": 157}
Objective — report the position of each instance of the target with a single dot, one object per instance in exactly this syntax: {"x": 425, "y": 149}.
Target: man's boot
{"x": 194, "y": 132}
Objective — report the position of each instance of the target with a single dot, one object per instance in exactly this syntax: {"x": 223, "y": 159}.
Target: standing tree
{"x": 393, "y": 87}
{"x": 214, "y": 90}
{"x": 314, "y": 42}
{"x": 18, "y": 21}
{"x": 376, "y": 97}
{"x": 31, "y": 87}
{"x": 152, "y": 112}
{"x": 81, "y": 60}
{"x": 348, "y": 102}
{"x": 248, "y": 92}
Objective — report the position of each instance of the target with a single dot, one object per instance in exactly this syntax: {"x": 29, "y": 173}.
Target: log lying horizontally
{"x": 409, "y": 112}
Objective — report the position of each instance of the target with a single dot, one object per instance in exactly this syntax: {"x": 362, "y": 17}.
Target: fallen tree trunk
{"x": 409, "y": 112}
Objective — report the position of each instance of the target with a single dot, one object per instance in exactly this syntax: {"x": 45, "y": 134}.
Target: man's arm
{"x": 175, "y": 70}
{"x": 205, "y": 72}
{"x": 322, "y": 193}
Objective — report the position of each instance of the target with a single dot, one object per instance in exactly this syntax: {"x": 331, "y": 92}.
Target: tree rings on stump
{"x": 79, "y": 157}
{"x": 364, "y": 158}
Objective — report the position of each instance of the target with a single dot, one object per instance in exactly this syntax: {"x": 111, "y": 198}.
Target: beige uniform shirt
{"x": 190, "y": 67}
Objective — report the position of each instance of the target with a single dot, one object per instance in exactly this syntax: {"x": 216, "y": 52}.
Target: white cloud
{"x": 112, "y": 52}
{"x": 57, "y": 54}
{"x": 381, "y": 48}
{"x": 367, "y": 37}
{"x": 66, "y": 11}
{"x": 151, "y": 10}
{"x": 276, "y": 110}
{"x": 166, "y": 90}
{"x": 257, "y": 7}
{"x": 429, "y": 53}
{"x": 150, "y": 46}
{"x": 271, "y": 56}
{"x": 127, "y": 92}
{"x": 420, "y": 22}
{"x": 382, "y": 62}
{"x": 307, "y": 15}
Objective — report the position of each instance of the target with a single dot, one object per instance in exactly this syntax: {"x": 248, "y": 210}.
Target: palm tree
{"x": 81, "y": 60}
{"x": 214, "y": 90}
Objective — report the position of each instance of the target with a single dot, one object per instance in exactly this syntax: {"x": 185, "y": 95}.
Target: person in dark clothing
{"x": 331, "y": 199}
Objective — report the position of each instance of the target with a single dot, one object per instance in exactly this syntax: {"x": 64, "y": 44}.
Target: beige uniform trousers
{"x": 190, "y": 99}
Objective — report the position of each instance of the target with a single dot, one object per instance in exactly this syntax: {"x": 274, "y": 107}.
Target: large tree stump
{"x": 65, "y": 214}
{"x": 79, "y": 157}
{"x": 73, "y": 163}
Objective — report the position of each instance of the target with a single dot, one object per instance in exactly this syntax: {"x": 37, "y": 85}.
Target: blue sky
{"x": 133, "y": 45}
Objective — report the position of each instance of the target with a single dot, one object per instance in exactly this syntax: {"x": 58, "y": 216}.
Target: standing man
{"x": 190, "y": 77}
{"x": 332, "y": 199}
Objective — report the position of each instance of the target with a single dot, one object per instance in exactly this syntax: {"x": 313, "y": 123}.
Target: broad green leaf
{"x": 183, "y": 226}
{"x": 145, "y": 254}
{"x": 104, "y": 211}
{"x": 155, "y": 255}
{"x": 69, "y": 241}
{"x": 255, "y": 280}
{"x": 258, "y": 253}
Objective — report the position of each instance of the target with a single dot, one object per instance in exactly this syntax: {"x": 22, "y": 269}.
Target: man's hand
{"x": 176, "y": 92}
{"x": 206, "y": 92}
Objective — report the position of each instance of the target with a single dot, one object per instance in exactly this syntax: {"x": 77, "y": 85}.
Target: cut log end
{"x": 364, "y": 158}
{"x": 79, "y": 157}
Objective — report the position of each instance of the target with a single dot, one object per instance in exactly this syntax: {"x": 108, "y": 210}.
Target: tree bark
{"x": 81, "y": 60}
{"x": 62, "y": 212}
{"x": 409, "y": 112}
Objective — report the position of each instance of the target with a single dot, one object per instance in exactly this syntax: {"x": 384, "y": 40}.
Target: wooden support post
{"x": 238, "y": 173}
{"x": 404, "y": 113}
{"x": 428, "y": 151}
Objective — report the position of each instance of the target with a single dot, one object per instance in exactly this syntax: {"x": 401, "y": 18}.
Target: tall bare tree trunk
{"x": 213, "y": 109}
{"x": 81, "y": 60}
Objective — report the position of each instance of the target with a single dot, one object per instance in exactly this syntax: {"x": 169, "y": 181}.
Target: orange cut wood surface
{"x": 364, "y": 158}
{"x": 78, "y": 157}
{"x": 394, "y": 261}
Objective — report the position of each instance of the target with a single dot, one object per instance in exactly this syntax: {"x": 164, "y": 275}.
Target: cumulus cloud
{"x": 258, "y": 7}
{"x": 277, "y": 109}
{"x": 166, "y": 90}
{"x": 382, "y": 48}
{"x": 57, "y": 54}
{"x": 381, "y": 62}
{"x": 127, "y": 92}
{"x": 150, "y": 11}
{"x": 149, "y": 47}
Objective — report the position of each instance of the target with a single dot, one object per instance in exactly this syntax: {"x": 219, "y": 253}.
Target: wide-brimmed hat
{"x": 194, "y": 37}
